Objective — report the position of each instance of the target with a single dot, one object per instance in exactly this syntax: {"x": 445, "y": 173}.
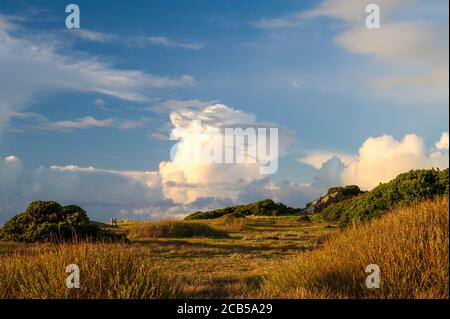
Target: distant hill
{"x": 266, "y": 207}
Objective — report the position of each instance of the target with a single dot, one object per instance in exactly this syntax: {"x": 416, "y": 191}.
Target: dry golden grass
{"x": 230, "y": 223}
{"x": 201, "y": 267}
{"x": 106, "y": 271}
{"x": 410, "y": 245}
{"x": 173, "y": 229}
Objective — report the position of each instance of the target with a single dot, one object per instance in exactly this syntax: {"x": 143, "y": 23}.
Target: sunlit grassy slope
{"x": 410, "y": 245}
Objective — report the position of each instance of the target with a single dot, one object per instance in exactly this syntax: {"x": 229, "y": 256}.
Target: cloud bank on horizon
{"x": 410, "y": 59}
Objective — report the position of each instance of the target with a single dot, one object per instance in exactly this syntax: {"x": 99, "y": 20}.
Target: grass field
{"x": 197, "y": 267}
{"x": 243, "y": 257}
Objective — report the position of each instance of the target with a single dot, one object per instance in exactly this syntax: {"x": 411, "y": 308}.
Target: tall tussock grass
{"x": 410, "y": 246}
{"x": 106, "y": 271}
{"x": 174, "y": 229}
{"x": 231, "y": 223}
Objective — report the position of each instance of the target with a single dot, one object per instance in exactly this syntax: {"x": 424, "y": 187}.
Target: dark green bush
{"x": 349, "y": 190}
{"x": 304, "y": 218}
{"x": 45, "y": 221}
{"x": 406, "y": 189}
{"x": 266, "y": 207}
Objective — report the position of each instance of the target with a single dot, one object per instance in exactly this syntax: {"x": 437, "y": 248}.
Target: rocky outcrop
{"x": 334, "y": 195}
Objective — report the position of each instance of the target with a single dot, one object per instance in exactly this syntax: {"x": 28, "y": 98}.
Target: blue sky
{"x": 306, "y": 66}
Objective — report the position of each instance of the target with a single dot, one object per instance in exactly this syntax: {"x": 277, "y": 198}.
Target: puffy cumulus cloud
{"x": 317, "y": 158}
{"x": 176, "y": 189}
{"x": 381, "y": 159}
{"x": 188, "y": 176}
{"x": 329, "y": 174}
{"x": 442, "y": 144}
{"x": 33, "y": 63}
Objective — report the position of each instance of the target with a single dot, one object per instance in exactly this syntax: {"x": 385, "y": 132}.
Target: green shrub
{"x": 406, "y": 189}
{"x": 304, "y": 218}
{"x": 333, "y": 212}
{"x": 266, "y": 207}
{"x": 45, "y": 221}
{"x": 349, "y": 190}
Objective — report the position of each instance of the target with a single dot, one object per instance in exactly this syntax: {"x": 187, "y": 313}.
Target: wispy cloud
{"x": 173, "y": 105}
{"x": 347, "y": 10}
{"x": 31, "y": 66}
{"x": 410, "y": 51}
{"x": 165, "y": 42}
{"x": 34, "y": 121}
{"x": 135, "y": 41}
{"x": 85, "y": 122}
{"x": 288, "y": 21}
{"x": 92, "y": 36}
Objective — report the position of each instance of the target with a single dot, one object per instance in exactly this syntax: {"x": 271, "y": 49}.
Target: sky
{"x": 87, "y": 115}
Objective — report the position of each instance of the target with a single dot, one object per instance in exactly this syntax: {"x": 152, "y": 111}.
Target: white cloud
{"x": 34, "y": 121}
{"x": 442, "y": 144}
{"x": 415, "y": 41}
{"x": 409, "y": 53}
{"x": 176, "y": 190}
{"x": 92, "y": 36}
{"x": 381, "y": 159}
{"x": 31, "y": 65}
{"x": 329, "y": 174}
{"x": 127, "y": 194}
{"x": 167, "y": 42}
{"x": 84, "y": 122}
{"x": 414, "y": 52}
{"x": 169, "y": 106}
{"x": 318, "y": 158}
{"x": 139, "y": 41}
{"x": 185, "y": 181}
{"x": 354, "y": 10}
{"x": 347, "y": 10}
{"x": 134, "y": 124}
